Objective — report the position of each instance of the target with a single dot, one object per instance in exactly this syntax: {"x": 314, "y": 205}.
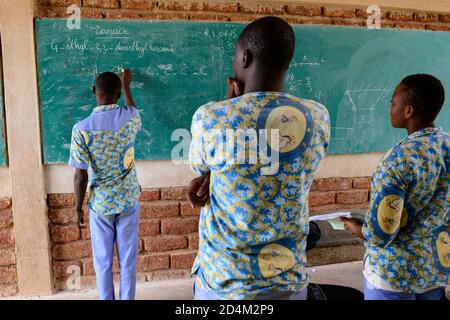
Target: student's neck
{"x": 105, "y": 102}
{"x": 264, "y": 82}
{"x": 417, "y": 126}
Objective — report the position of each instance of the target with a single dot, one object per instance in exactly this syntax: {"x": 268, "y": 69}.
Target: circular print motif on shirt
{"x": 289, "y": 128}
{"x": 390, "y": 212}
{"x": 127, "y": 158}
{"x": 274, "y": 259}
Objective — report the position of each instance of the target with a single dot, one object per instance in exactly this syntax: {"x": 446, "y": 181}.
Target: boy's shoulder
{"x": 104, "y": 120}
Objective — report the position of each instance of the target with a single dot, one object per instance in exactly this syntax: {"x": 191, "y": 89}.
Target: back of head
{"x": 425, "y": 94}
{"x": 109, "y": 84}
{"x": 271, "y": 41}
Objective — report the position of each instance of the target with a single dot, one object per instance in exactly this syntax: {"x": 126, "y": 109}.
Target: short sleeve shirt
{"x": 104, "y": 144}
{"x": 407, "y": 228}
{"x": 253, "y": 232}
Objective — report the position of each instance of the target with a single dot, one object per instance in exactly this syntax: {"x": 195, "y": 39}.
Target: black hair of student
{"x": 425, "y": 94}
{"x": 271, "y": 40}
{"x": 109, "y": 84}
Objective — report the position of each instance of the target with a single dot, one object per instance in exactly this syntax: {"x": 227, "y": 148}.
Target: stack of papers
{"x": 334, "y": 218}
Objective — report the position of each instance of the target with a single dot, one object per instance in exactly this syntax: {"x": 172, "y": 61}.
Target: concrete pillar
{"x": 24, "y": 148}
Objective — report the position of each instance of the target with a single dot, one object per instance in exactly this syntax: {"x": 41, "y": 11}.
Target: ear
{"x": 409, "y": 112}
{"x": 247, "y": 58}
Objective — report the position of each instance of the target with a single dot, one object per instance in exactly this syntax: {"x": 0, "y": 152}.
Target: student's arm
{"x": 197, "y": 150}
{"x": 387, "y": 212}
{"x": 79, "y": 159}
{"x": 126, "y": 87}
{"x": 80, "y": 183}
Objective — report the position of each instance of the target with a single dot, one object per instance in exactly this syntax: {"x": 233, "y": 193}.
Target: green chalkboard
{"x": 179, "y": 66}
{"x": 3, "y": 161}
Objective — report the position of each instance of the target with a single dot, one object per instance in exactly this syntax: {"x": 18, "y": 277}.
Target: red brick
{"x": 153, "y": 262}
{"x": 179, "y": 226}
{"x": 8, "y": 275}
{"x": 86, "y": 233}
{"x": 60, "y": 3}
{"x": 65, "y": 234}
{"x": 6, "y": 238}
{"x": 245, "y": 17}
{"x": 165, "y": 15}
{"x": 317, "y": 198}
{"x": 180, "y": 6}
{"x": 174, "y": 193}
{"x": 339, "y": 13}
{"x": 400, "y": 16}
{"x": 406, "y": 25}
{"x": 56, "y": 201}
{"x": 5, "y": 203}
{"x": 438, "y": 27}
{"x": 123, "y": 14}
{"x": 141, "y": 246}
{"x": 72, "y": 250}
{"x": 149, "y": 227}
{"x": 348, "y": 22}
{"x": 314, "y": 186}
{"x": 193, "y": 241}
{"x": 330, "y": 184}
{"x": 9, "y": 290}
{"x": 93, "y": 13}
{"x": 160, "y": 209}
{"x": 7, "y": 257}
{"x": 262, "y": 9}
{"x": 362, "y": 183}
{"x": 107, "y": 4}
{"x": 352, "y": 197}
{"x": 150, "y": 195}
{"x": 444, "y": 18}
{"x": 138, "y": 4}
{"x": 6, "y": 219}
{"x": 62, "y": 216}
{"x": 60, "y": 269}
{"x": 207, "y": 16}
{"x": 225, "y": 6}
{"x": 426, "y": 17}
{"x": 303, "y": 10}
{"x": 187, "y": 210}
{"x": 165, "y": 243}
{"x": 182, "y": 260}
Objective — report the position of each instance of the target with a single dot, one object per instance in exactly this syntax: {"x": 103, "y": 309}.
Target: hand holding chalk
{"x": 126, "y": 77}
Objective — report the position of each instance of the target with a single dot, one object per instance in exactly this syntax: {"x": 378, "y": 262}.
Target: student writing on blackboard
{"x": 253, "y": 230}
{"x": 104, "y": 143}
{"x": 407, "y": 229}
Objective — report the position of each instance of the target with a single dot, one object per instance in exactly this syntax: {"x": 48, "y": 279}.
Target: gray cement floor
{"x": 346, "y": 274}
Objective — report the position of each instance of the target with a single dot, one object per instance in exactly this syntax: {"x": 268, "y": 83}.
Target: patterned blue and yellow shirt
{"x": 104, "y": 143}
{"x": 253, "y": 232}
{"x": 407, "y": 228}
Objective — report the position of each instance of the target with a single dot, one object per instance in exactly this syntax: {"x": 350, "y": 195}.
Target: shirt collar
{"x": 105, "y": 108}
{"x": 425, "y": 132}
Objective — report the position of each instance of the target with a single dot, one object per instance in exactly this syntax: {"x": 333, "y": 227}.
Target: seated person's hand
{"x": 354, "y": 226}
{"x": 234, "y": 88}
{"x": 198, "y": 193}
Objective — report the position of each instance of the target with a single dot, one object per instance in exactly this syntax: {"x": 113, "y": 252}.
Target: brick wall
{"x": 8, "y": 271}
{"x": 168, "y": 229}
{"x": 242, "y": 11}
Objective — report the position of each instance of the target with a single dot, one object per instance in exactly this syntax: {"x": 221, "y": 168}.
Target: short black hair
{"x": 109, "y": 83}
{"x": 425, "y": 94}
{"x": 272, "y": 42}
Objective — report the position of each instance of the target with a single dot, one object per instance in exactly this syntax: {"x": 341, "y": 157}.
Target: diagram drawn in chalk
{"x": 364, "y": 102}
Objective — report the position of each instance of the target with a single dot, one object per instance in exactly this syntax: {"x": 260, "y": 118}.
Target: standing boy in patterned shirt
{"x": 253, "y": 231}
{"x": 104, "y": 144}
{"x": 406, "y": 231}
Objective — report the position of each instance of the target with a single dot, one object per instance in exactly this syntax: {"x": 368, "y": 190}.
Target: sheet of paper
{"x": 330, "y": 216}
{"x": 336, "y": 224}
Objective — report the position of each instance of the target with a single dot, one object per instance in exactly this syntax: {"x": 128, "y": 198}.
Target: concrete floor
{"x": 346, "y": 274}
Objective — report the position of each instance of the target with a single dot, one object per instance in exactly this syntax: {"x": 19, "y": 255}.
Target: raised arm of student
{"x": 127, "y": 77}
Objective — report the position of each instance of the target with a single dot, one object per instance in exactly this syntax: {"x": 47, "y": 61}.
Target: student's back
{"x": 253, "y": 232}
{"x": 419, "y": 167}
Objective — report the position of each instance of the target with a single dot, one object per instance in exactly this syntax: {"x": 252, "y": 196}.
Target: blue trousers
{"x": 371, "y": 293}
{"x": 105, "y": 231}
